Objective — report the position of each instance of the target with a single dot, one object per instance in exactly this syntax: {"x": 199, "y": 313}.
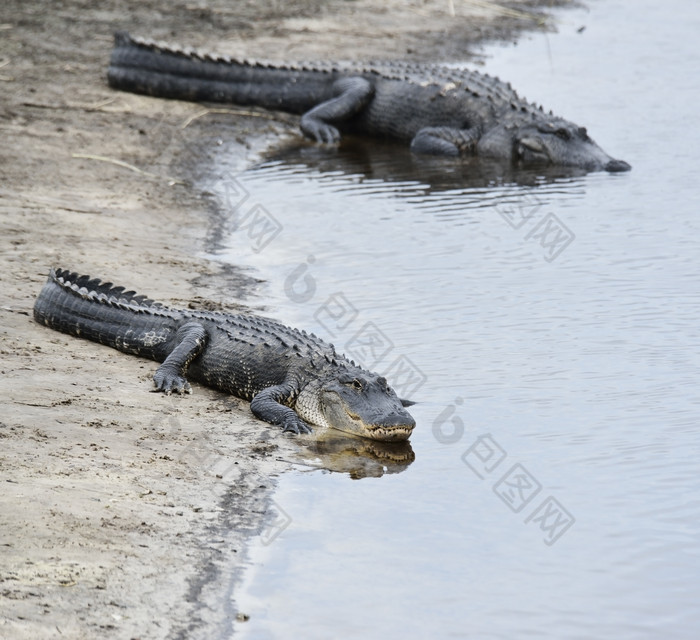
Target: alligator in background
{"x": 438, "y": 109}
{"x": 291, "y": 378}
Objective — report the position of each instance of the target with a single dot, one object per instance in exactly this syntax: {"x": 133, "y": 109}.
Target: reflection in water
{"x": 358, "y": 457}
{"x": 386, "y": 161}
{"x": 323, "y": 180}
{"x": 448, "y": 188}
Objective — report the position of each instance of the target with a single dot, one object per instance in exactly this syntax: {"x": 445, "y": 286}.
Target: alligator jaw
{"x": 393, "y": 428}
{"x": 384, "y": 433}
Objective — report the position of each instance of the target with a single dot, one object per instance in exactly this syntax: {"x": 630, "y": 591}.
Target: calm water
{"x": 548, "y": 329}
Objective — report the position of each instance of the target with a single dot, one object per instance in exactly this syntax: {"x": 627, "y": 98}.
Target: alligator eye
{"x": 564, "y": 134}
{"x": 356, "y": 384}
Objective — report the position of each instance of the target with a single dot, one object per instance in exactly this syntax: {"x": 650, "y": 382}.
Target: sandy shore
{"x": 124, "y": 514}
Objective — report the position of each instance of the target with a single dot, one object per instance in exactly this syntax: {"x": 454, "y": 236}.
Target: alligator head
{"x": 357, "y": 402}
{"x": 554, "y": 141}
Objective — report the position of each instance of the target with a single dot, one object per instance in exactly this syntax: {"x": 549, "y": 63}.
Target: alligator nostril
{"x": 402, "y": 419}
{"x": 617, "y": 165}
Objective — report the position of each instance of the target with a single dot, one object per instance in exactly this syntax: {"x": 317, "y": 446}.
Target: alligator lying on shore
{"x": 438, "y": 109}
{"x": 291, "y": 378}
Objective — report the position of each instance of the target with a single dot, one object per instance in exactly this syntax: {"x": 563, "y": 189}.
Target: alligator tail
{"x": 155, "y": 69}
{"x": 88, "y": 308}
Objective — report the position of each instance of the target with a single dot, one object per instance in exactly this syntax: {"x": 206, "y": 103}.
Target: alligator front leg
{"x": 446, "y": 141}
{"x": 351, "y": 96}
{"x": 191, "y": 339}
{"x": 266, "y": 406}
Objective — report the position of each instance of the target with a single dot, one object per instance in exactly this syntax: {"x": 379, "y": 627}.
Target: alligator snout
{"x": 399, "y": 419}
{"x": 393, "y": 427}
{"x": 615, "y": 166}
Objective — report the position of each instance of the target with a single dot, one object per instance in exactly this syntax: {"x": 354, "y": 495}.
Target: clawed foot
{"x": 428, "y": 141}
{"x": 170, "y": 382}
{"x": 320, "y": 131}
{"x": 295, "y": 425}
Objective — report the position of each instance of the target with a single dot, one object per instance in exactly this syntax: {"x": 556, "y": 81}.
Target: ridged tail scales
{"x": 153, "y": 69}
{"x": 88, "y": 308}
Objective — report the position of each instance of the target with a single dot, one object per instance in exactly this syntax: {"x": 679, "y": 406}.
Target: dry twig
{"x": 126, "y": 165}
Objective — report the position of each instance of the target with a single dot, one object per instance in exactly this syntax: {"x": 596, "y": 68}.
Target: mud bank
{"x": 124, "y": 514}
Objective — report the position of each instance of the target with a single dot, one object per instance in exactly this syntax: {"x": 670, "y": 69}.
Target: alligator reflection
{"x": 335, "y": 451}
{"x": 385, "y": 161}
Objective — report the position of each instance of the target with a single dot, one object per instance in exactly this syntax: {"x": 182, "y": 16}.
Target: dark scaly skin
{"x": 291, "y": 378}
{"x": 436, "y": 109}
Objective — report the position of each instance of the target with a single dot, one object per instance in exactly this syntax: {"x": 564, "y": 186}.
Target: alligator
{"x": 438, "y": 109}
{"x": 290, "y": 377}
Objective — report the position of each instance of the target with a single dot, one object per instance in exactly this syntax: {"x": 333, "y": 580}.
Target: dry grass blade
{"x": 126, "y": 165}
{"x": 236, "y": 112}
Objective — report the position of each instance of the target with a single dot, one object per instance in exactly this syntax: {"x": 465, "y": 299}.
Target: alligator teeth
{"x": 390, "y": 434}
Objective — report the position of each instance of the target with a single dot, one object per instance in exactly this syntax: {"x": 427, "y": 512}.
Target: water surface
{"x": 548, "y": 328}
